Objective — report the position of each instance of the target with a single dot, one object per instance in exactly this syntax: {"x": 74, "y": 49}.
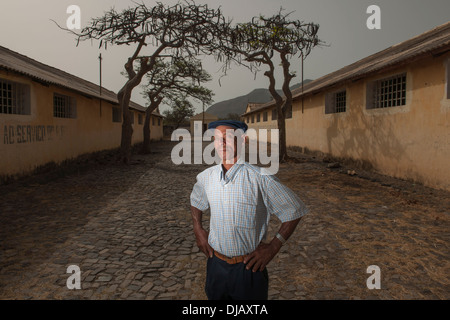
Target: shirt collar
{"x": 231, "y": 173}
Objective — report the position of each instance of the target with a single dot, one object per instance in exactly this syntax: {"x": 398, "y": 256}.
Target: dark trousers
{"x": 233, "y": 282}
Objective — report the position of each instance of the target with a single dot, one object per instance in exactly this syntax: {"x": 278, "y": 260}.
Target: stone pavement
{"x": 128, "y": 228}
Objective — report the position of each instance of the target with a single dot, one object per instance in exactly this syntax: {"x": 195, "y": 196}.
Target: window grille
{"x": 340, "y": 101}
{"x": 389, "y": 92}
{"x": 336, "y": 102}
{"x": 14, "y": 97}
{"x": 63, "y": 106}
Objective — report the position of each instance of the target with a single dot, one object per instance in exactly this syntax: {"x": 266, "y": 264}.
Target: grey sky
{"x": 27, "y": 29}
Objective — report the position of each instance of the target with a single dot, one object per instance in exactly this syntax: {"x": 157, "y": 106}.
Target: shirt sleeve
{"x": 282, "y": 201}
{"x": 199, "y": 198}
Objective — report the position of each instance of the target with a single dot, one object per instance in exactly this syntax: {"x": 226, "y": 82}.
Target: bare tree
{"x": 183, "y": 29}
{"x": 172, "y": 81}
{"x": 258, "y": 41}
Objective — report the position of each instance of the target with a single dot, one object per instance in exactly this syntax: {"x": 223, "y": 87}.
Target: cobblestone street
{"x": 129, "y": 230}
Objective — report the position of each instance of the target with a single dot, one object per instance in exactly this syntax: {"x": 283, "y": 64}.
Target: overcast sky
{"x": 26, "y": 28}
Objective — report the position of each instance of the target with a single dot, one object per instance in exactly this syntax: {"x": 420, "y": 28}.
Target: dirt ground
{"x": 368, "y": 219}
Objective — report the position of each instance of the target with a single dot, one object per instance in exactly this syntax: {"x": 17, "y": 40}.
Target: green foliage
{"x": 180, "y": 111}
{"x": 174, "y": 79}
{"x": 277, "y": 33}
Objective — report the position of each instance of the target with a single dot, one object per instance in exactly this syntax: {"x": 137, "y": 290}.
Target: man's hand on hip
{"x": 201, "y": 235}
{"x": 264, "y": 253}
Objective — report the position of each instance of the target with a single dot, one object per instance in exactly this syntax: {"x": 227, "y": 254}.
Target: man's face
{"x": 226, "y": 142}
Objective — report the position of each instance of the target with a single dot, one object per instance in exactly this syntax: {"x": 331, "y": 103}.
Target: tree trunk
{"x": 282, "y": 149}
{"x": 280, "y": 104}
{"x": 281, "y": 115}
{"x": 281, "y": 124}
{"x": 124, "y": 97}
{"x": 287, "y": 105}
{"x": 127, "y": 129}
{"x": 154, "y": 104}
{"x": 146, "y": 148}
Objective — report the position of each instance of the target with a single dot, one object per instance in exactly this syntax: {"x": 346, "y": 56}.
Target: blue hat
{"x": 229, "y": 123}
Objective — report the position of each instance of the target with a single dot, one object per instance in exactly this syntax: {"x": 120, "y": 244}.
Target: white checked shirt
{"x": 241, "y": 202}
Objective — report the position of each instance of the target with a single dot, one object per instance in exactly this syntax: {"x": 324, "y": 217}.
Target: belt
{"x": 229, "y": 260}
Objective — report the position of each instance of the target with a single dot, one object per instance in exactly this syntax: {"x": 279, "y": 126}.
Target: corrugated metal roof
{"x": 434, "y": 41}
{"x": 16, "y": 62}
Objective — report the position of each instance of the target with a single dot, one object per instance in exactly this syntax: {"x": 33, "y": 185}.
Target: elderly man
{"x": 241, "y": 198}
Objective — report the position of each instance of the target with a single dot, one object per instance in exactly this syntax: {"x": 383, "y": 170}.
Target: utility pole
{"x": 303, "y": 99}
{"x": 203, "y": 119}
{"x": 100, "y": 59}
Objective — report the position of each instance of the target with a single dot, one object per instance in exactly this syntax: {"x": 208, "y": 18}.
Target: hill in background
{"x": 239, "y": 104}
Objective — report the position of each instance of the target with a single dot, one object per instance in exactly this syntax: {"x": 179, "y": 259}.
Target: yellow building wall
{"x": 156, "y": 128}
{"x": 29, "y": 141}
{"x": 261, "y": 124}
{"x": 196, "y": 122}
{"x": 410, "y": 142}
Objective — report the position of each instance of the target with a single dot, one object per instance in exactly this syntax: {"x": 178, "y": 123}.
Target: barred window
{"x": 159, "y": 121}
{"x": 336, "y": 102}
{"x": 265, "y": 116}
{"x": 153, "y": 121}
{"x": 140, "y": 118}
{"x": 14, "y": 97}
{"x": 63, "y": 106}
{"x": 274, "y": 114}
{"x": 253, "y": 118}
{"x": 388, "y": 92}
{"x": 116, "y": 114}
{"x": 258, "y": 117}
{"x": 341, "y": 101}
